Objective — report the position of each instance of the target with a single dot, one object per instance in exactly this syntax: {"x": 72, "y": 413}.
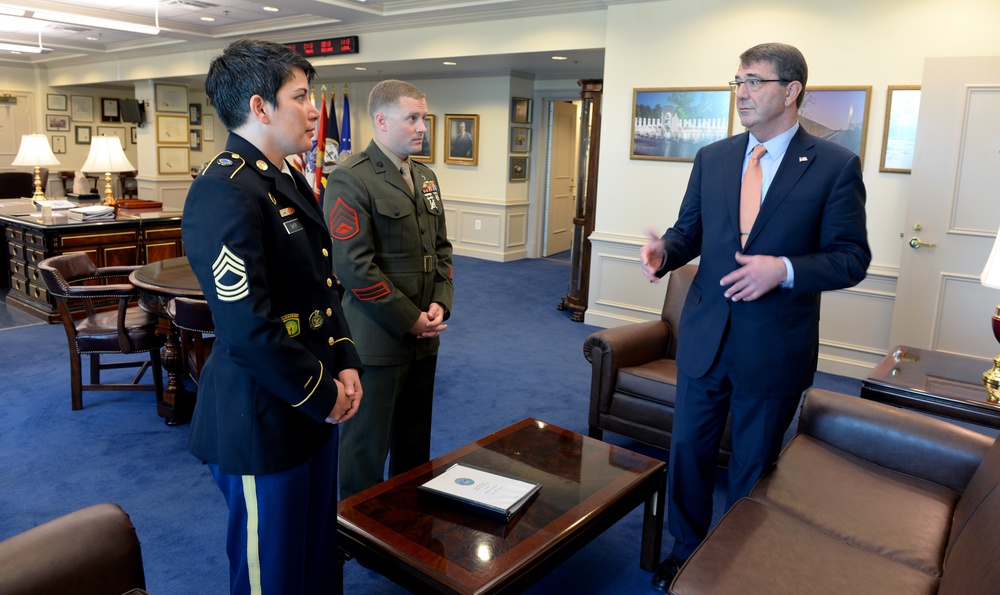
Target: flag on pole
{"x": 331, "y": 152}
{"x": 320, "y": 143}
{"x": 345, "y": 129}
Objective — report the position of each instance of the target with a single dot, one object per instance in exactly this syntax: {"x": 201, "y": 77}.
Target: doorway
{"x": 559, "y": 185}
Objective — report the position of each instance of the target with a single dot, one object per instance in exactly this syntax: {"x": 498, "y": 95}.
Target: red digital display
{"x": 331, "y": 46}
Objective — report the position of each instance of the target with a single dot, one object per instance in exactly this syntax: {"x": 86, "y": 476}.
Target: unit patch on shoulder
{"x": 230, "y": 273}
{"x": 343, "y": 221}
{"x": 292, "y": 325}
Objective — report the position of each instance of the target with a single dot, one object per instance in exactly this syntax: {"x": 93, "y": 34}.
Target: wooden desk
{"x": 944, "y": 384}
{"x": 158, "y": 283}
{"x": 134, "y": 237}
{"x": 426, "y": 544}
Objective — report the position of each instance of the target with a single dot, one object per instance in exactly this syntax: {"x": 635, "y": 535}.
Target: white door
{"x": 560, "y": 205}
{"x": 15, "y": 120}
{"x": 954, "y": 205}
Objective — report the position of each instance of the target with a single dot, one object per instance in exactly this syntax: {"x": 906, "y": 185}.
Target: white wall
{"x": 689, "y": 43}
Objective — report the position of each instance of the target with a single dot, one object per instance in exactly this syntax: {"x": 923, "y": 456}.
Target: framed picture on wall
{"x": 57, "y": 122}
{"x": 462, "y": 147}
{"x": 134, "y": 133}
{"x": 55, "y": 102}
{"x": 194, "y": 113}
{"x": 109, "y": 110}
{"x": 520, "y": 110}
{"x": 900, "y": 134}
{"x": 115, "y": 131}
{"x": 171, "y": 130}
{"x": 208, "y": 122}
{"x": 82, "y": 135}
{"x": 58, "y": 144}
{"x": 518, "y": 169}
{"x": 520, "y": 139}
{"x": 195, "y": 139}
{"x": 173, "y": 160}
{"x": 81, "y": 108}
{"x": 839, "y": 114}
{"x": 426, "y": 154}
{"x": 171, "y": 98}
{"x": 671, "y": 124}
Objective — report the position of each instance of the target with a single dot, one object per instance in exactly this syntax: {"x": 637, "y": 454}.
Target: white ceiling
{"x": 181, "y": 24}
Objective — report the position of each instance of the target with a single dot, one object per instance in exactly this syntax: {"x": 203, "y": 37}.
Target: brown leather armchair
{"x": 633, "y": 386}
{"x": 124, "y": 330}
{"x": 194, "y": 319}
{"x": 93, "y": 551}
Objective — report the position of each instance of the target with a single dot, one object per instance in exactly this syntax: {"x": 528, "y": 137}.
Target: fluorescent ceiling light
{"x": 14, "y": 12}
{"x": 28, "y": 49}
{"x": 19, "y": 25}
{"x": 58, "y": 17}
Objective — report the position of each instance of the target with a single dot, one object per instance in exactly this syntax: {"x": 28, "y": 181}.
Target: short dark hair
{"x": 788, "y": 62}
{"x": 246, "y": 68}
{"x": 389, "y": 92}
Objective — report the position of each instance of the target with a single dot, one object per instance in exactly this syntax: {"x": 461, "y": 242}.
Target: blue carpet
{"x": 508, "y": 354}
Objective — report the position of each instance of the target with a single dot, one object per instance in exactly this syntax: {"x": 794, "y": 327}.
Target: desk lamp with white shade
{"x": 35, "y": 152}
{"x": 106, "y": 155}
{"x": 990, "y": 277}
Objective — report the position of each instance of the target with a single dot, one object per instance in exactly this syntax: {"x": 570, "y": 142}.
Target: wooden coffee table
{"x": 426, "y": 544}
{"x": 941, "y": 383}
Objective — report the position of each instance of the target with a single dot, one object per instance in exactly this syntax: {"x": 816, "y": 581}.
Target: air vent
{"x": 193, "y": 4}
{"x": 70, "y": 28}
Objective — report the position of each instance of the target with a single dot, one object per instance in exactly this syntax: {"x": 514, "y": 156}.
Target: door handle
{"x": 916, "y": 244}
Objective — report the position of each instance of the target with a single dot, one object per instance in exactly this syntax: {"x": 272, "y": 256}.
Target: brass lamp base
{"x": 991, "y": 378}
{"x": 109, "y": 195}
{"x": 38, "y": 195}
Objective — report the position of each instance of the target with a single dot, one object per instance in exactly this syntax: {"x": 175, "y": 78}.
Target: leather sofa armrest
{"x": 894, "y": 438}
{"x": 630, "y": 344}
{"x": 93, "y": 550}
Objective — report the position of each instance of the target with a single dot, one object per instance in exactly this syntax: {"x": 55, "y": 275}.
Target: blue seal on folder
{"x": 464, "y": 481}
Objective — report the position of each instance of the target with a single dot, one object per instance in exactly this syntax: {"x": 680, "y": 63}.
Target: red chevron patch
{"x": 367, "y": 294}
{"x": 343, "y": 221}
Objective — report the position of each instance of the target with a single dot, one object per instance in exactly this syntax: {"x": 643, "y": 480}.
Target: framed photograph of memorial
{"x": 426, "y": 154}
{"x": 81, "y": 108}
{"x": 520, "y": 139}
{"x": 462, "y": 146}
{"x": 55, "y": 102}
{"x": 671, "y": 124}
{"x": 208, "y": 121}
{"x": 58, "y": 144}
{"x": 134, "y": 132}
{"x": 171, "y": 130}
{"x": 520, "y": 110}
{"x": 173, "y": 160}
{"x": 171, "y": 98}
{"x": 57, "y": 122}
{"x": 109, "y": 110}
{"x": 115, "y": 131}
{"x": 900, "y": 133}
{"x": 839, "y": 114}
{"x": 194, "y": 113}
{"x": 195, "y": 139}
{"x": 518, "y": 169}
{"x": 82, "y": 135}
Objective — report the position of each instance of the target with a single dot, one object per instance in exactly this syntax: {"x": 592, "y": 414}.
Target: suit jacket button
{"x": 395, "y": 212}
{"x": 326, "y": 252}
{"x": 329, "y": 311}
{"x": 330, "y": 341}
{"x": 329, "y": 282}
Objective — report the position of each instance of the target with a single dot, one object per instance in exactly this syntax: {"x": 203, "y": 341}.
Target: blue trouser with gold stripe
{"x": 282, "y": 536}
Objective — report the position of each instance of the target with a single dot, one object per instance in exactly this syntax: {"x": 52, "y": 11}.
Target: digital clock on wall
{"x": 330, "y": 46}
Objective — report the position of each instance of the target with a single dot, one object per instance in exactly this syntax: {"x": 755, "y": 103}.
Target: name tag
{"x": 293, "y": 226}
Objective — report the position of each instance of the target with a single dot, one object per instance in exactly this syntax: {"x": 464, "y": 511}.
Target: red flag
{"x": 320, "y": 142}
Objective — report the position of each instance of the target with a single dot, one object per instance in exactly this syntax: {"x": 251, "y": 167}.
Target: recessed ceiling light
{"x": 92, "y": 39}
{"x": 208, "y": 19}
{"x": 271, "y": 9}
{"x": 360, "y": 68}
{"x": 449, "y": 63}
{"x": 560, "y": 58}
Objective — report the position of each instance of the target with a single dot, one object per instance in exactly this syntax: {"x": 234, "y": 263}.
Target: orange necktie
{"x": 750, "y": 193}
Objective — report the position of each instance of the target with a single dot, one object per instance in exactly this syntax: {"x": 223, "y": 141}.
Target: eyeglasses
{"x": 753, "y": 85}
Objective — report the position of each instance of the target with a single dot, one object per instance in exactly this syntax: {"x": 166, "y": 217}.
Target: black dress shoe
{"x": 666, "y": 572}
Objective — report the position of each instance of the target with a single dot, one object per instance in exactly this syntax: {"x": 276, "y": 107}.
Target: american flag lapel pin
{"x": 803, "y": 159}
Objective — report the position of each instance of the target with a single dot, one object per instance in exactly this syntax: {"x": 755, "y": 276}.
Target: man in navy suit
{"x": 749, "y": 332}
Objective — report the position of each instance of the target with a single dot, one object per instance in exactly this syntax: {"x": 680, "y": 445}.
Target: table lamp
{"x": 35, "y": 152}
{"x": 106, "y": 155}
{"x": 990, "y": 277}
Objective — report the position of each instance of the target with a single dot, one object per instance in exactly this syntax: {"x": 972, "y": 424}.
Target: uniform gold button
{"x": 329, "y": 282}
{"x": 325, "y": 252}
{"x": 330, "y": 341}
{"x": 329, "y": 311}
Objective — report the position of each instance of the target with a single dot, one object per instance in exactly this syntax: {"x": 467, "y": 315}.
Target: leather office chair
{"x": 194, "y": 320}
{"x": 129, "y": 184}
{"x": 16, "y": 184}
{"x": 633, "y": 387}
{"x": 124, "y": 330}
